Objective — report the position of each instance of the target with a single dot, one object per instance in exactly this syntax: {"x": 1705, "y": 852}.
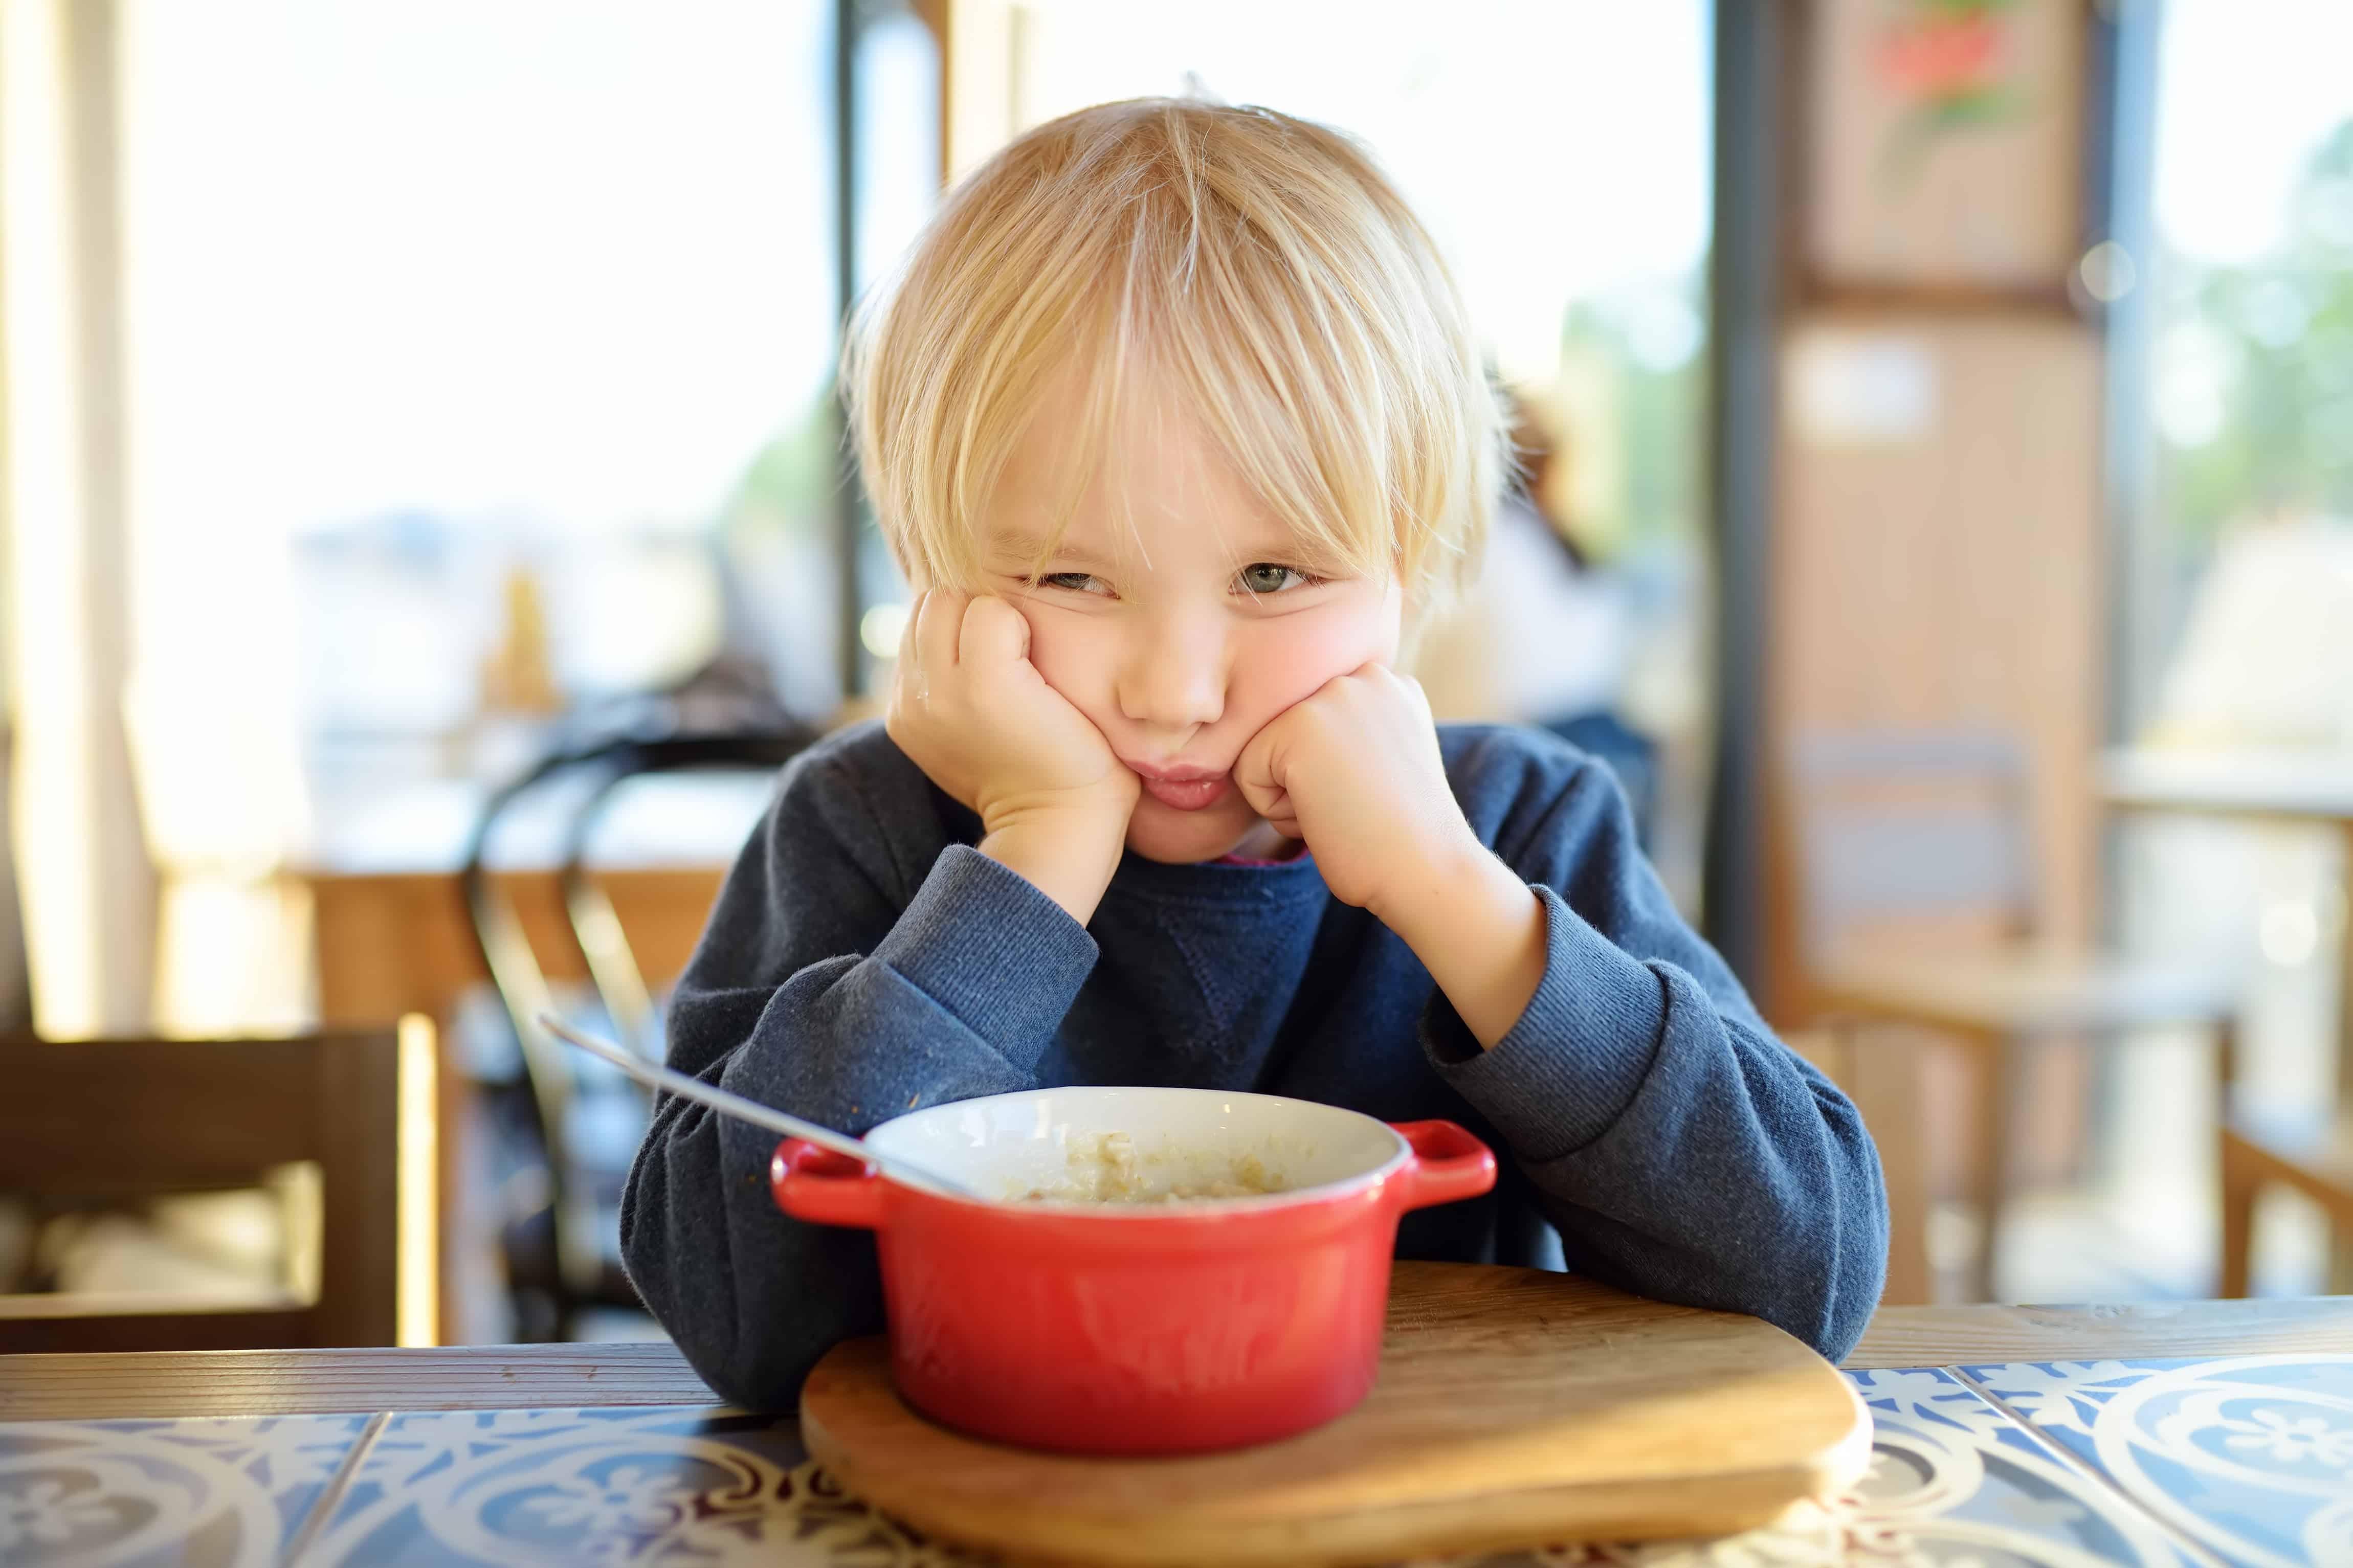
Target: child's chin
{"x": 1176, "y": 837}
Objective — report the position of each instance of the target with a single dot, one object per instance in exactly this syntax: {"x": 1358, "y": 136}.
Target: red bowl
{"x": 1167, "y": 1328}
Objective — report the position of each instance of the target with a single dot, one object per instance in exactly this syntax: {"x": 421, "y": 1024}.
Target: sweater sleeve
{"x": 1680, "y": 1149}
{"x": 835, "y": 984}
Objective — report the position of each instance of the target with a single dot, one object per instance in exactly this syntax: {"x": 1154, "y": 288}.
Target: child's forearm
{"x": 1480, "y": 932}
{"x": 1070, "y": 857}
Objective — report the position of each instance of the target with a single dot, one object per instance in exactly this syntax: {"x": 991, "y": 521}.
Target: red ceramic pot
{"x": 1165, "y": 1327}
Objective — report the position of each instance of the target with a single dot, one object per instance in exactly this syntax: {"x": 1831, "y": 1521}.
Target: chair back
{"x": 1918, "y": 830}
{"x": 111, "y": 1120}
{"x": 551, "y": 1070}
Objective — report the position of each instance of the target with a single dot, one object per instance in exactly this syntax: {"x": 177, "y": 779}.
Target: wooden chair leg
{"x": 2238, "y": 1225}
{"x": 2237, "y": 1183}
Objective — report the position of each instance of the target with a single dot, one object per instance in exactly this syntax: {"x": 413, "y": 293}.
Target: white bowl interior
{"x": 1008, "y": 1146}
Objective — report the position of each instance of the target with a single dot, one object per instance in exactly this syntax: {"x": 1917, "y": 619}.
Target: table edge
{"x": 180, "y": 1384}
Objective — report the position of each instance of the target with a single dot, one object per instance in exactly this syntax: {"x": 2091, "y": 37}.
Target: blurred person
{"x": 1174, "y": 418}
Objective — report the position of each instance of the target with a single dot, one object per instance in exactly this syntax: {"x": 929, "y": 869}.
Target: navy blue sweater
{"x": 863, "y": 959}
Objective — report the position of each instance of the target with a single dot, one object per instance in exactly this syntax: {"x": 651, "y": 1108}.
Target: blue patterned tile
{"x": 195, "y": 1494}
{"x": 567, "y": 1486}
{"x": 1952, "y": 1479}
{"x": 2250, "y": 1455}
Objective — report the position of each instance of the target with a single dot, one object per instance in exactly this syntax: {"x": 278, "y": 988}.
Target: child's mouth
{"x": 1190, "y": 795}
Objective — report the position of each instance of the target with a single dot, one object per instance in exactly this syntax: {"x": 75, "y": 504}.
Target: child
{"x": 1176, "y": 420}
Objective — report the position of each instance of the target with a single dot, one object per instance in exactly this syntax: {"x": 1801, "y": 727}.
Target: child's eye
{"x": 1266, "y": 577}
{"x": 1075, "y": 583}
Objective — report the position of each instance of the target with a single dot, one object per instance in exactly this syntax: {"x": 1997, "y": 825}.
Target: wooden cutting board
{"x": 1515, "y": 1408}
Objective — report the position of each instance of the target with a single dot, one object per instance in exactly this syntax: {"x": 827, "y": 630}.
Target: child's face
{"x": 1182, "y": 638}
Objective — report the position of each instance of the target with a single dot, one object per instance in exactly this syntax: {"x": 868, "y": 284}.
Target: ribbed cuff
{"x": 1000, "y": 956}
{"x": 1575, "y": 1059}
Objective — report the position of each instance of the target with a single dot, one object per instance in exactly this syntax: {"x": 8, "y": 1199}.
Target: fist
{"x": 1355, "y": 771}
{"x": 971, "y": 711}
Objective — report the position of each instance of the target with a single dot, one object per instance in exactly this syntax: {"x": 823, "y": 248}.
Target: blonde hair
{"x": 1261, "y": 264}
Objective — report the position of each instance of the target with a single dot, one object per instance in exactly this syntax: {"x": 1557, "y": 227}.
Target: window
{"x": 2237, "y": 579}
{"x": 2251, "y": 390}
{"x": 479, "y": 364}
{"x": 425, "y": 295}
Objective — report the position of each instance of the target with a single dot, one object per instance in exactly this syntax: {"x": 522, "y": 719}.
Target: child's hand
{"x": 971, "y": 711}
{"x": 1355, "y": 769}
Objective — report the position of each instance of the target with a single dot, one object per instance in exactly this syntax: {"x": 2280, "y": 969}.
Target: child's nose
{"x": 1174, "y": 677}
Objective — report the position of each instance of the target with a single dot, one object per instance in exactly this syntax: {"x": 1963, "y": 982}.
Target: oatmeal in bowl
{"x": 1107, "y": 1170}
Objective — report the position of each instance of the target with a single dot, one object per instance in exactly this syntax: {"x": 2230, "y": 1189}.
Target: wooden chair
{"x": 1931, "y": 831}
{"x": 2311, "y": 1151}
{"x": 564, "y": 1260}
{"x": 113, "y": 1120}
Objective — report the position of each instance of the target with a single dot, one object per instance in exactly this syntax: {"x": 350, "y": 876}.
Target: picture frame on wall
{"x": 1942, "y": 151}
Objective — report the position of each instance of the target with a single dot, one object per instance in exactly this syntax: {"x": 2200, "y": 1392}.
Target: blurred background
{"x": 427, "y": 526}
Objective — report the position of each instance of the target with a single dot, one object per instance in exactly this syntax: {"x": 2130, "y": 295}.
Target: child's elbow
{"x": 1840, "y": 1324}
{"x": 1816, "y": 1266}
{"x": 758, "y": 1372}
{"x": 756, "y": 1384}
{"x": 1828, "y": 1308}
{"x": 1856, "y": 1272}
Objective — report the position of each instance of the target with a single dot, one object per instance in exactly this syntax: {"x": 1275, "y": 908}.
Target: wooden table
{"x": 2309, "y": 787}
{"x": 2160, "y": 1435}
{"x": 391, "y": 929}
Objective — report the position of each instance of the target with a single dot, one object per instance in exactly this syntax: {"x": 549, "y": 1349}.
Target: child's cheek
{"x": 1296, "y": 654}
{"x": 1290, "y": 667}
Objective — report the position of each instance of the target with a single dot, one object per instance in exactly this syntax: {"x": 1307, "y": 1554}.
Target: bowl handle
{"x": 1448, "y": 1165}
{"x": 825, "y": 1188}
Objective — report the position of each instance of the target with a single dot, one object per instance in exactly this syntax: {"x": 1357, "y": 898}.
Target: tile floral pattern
{"x": 2251, "y": 1457}
{"x": 1953, "y": 1480}
{"x": 526, "y": 1486}
{"x": 195, "y": 1494}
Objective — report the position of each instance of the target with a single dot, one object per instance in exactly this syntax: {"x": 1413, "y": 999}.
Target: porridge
{"x": 1106, "y": 1170}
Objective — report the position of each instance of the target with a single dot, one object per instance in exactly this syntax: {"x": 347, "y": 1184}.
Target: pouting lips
{"x": 1190, "y": 795}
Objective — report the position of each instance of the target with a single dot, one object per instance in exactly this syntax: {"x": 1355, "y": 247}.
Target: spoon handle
{"x": 735, "y": 1105}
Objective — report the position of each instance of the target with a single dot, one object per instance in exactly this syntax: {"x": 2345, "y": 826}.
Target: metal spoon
{"x": 752, "y": 1111}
